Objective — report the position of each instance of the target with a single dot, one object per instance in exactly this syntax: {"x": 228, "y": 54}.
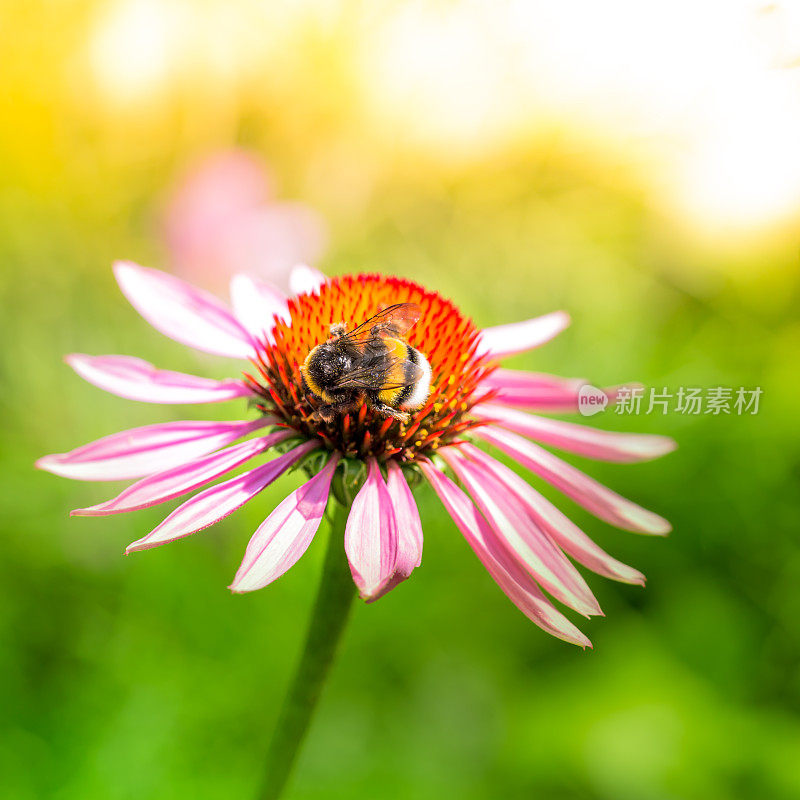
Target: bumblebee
{"x": 370, "y": 363}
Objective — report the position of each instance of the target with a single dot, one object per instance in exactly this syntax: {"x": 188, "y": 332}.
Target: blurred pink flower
{"x": 223, "y": 219}
{"x": 521, "y": 538}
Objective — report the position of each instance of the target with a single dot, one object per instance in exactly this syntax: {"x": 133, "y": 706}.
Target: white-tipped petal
{"x": 525, "y": 542}
{"x": 409, "y": 525}
{"x": 515, "y": 583}
{"x": 182, "y": 479}
{"x": 565, "y": 533}
{"x": 501, "y": 341}
{"x": 305, "y": 280}
{"x": 286, "y": 533}
{"x": 256, "y": 303}
{"x": 213, "y": 504}
{"x": 587, "y": 492}
{"x": 183, "y": 312}
{"x": 370, "y": 536}
{"x": 624, "y": 448}
{"x": 136, "y": 379}
{"x": 143, "y": 451}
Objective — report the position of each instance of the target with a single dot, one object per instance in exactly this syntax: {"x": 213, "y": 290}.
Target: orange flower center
{"x": 443, "y": 334}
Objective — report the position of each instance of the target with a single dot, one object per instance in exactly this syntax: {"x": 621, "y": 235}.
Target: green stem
{"x": 328, "y": 619}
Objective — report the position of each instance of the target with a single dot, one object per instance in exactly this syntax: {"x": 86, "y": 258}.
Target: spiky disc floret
{"x": 444, "y": 335}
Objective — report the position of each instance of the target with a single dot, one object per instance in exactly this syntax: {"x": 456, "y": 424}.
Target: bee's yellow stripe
{"x": 397, "y": 374}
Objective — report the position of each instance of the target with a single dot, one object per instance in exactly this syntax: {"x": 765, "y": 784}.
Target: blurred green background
{"x": 436, "y": 149}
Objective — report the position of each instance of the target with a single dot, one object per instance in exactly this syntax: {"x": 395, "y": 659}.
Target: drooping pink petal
{"x": 305, "y": 280}
{"x": 502, "y": 378}
{"x": 565, "y": 533}
{"x": 213, "y": 504}
{"x": 533, "y": 390}
{"x": 185, "y": 478}
{"x": 532, "y": 548}
{"x": 136, "y": 379}
{"x": 587, "y": 492}
{"x": 590, "y": 442}
{"x": 409, "y": 525}
{"x": 543, "y": 393}
{"x": 286, "y": 533}
{"x": 143, "y": 451}
{"x": 370, "y": 536}
{"x": 182, "y": 312}
{"x": 517, "y": 337}
{"x": 515, "y": 583}
{"x": 256, "y": 303}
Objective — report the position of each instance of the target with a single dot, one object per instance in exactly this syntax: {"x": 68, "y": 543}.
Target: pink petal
{"x": 215, "y": 503}
{"x": 409, "y": 525}
{"x": 305, "y": 280}
{"x": 553, "y": 395}
{"x": 174, "y": 482}
{"x": 409, "y": 528}
{"x": 139, "y": 380}
{"x": 256, "y": 303}
{"x": 143, "y": 451}
{"x": 534, "y": 390}
{"x": 524, "y": 541}
{"x": 502, "y": 378}
{"x": 589, "y": 442}
{"x": 515, "y": 583}
{"x": 585, "y": 491}
{"x": 556, "y": 525}
{"x": 370, "y": 536}
{"x": 286, "y": 533}
{"x": 182, "y": 312}
{"x": 517, "y": 337}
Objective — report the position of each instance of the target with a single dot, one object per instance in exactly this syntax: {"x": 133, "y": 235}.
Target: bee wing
{"x": 395, "y": 320}
{"x": 374, "y": 379}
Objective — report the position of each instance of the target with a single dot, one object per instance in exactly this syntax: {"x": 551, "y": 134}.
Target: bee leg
{"x": 324, "y": 413}
{"x": 388, "y": 411}
{"x": 329, "y": 412}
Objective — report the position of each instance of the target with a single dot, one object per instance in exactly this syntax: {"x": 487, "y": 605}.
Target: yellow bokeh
{"x": 700, "y": 102}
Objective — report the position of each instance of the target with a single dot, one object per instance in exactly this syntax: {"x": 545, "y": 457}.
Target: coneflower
{"x": 362, "y": 464}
